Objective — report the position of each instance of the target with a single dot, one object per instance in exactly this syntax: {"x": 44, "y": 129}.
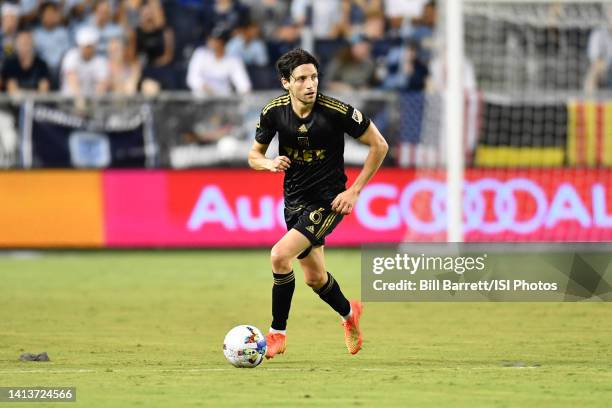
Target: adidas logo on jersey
{"x": 310, "y": 228}
{"x": 303, "y": 129}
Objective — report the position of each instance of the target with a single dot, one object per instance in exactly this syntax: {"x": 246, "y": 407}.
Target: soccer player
{"x": 311, "y": 128}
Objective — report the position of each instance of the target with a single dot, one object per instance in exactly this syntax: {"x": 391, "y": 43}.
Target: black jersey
{"x": 314, "y": 144}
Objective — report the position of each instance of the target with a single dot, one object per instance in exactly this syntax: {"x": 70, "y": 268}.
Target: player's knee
{"x": 281, "y": 262}
{"x": 315, "y": 281}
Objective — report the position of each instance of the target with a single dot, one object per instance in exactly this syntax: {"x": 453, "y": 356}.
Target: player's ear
{"x": 285, "y": 84}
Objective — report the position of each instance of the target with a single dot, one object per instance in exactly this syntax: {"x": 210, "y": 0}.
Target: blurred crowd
{"x": 222, "y": 47}
{"x": 211, "y": 47}
{"x": 599, "y": 54}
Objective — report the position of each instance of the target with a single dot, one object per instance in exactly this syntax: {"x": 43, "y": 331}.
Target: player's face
{"x": 303, "y": 83}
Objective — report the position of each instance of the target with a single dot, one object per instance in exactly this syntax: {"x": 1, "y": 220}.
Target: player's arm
{"x": 345, "y": 201}
{"x": 259, "y": 161}
{"x": 266, "y": 129}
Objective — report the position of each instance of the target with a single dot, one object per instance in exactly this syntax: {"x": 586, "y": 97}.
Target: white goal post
{"x": 524, "y": 53}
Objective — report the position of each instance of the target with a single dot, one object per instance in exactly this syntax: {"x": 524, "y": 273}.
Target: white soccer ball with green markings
{"x": 244, "y": 346}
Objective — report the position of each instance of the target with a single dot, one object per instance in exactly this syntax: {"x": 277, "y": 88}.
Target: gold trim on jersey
{"x": 280, "y": 101}
{"x": 294, "y": 209}
{"x": 337, "y": 108}
{"x": 328, "y": 222}
{"x": 332, "y": 101}
{"x": 278, "y": 98}
{"x": 316, "y": 216}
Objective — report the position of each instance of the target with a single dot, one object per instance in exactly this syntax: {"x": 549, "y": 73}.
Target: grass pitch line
{"x": 121, "y": 370}
{"x": 173, "y": 370}
{"x": 58, "y": 371}
{"x": 213, "y": 369}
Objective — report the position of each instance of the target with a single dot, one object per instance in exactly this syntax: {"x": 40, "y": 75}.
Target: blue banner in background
{"x": 61, "y": 139}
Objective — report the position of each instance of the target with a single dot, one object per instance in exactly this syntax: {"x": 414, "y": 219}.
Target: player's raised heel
{"x": 277, "y": 344}
{"x": 352, "y": 333}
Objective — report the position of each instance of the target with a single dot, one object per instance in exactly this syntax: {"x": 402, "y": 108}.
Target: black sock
{"x": 332, "y": 295}
{"x": 282, "y": 292}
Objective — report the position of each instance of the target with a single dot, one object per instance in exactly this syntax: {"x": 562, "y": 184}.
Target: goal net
{"x": 536, "y": 128}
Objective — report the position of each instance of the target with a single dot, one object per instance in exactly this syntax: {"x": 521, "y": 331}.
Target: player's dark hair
{"x": 293, "y": 59}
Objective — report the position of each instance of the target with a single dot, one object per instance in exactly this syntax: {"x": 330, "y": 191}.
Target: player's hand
{"x": 344, "y": 202}
{"x": 280, "y": 163}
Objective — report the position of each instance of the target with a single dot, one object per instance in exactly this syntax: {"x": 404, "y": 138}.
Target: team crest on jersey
{"x": 357, "y": 116}
{"x": 316, "y": 216}
{"x": 303, "y": 141}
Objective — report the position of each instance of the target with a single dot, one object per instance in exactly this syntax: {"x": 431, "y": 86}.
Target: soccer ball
{"x": 244, "y": 346}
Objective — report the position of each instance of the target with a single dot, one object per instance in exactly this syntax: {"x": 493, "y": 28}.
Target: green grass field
{"x": 145, "y": 329}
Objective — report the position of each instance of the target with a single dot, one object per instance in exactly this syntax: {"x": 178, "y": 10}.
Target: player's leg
{"x": 282, "y": 255}
{"x": 313, "y": 266}
{"x": 292, "y": 244}
{"x": 328, "y": 289}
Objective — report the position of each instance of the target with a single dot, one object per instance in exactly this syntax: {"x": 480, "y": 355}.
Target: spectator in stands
{"x": 8, "y": 139}
{"x": 400, "y": 11}
{"x": 124, "y": 72}
{"x": 8, "y": 30}
{"x": 84, "y": 73}
{"x": 129, "y": 13}
{"x": 191, "y": 21}
{"x": 51, "y": 39}
{"x": 272, "y": 17}
{"x": 438, "y": 74}
{"x": 359, "y": 10}
{"x": 228, "y": 13}
{"x": 76, "y": 10}
{"x": 422, "y": 30}
{"x": 102, "y": 21}
{"x": 599, "y": 53}
{"x": 426, "y": 19}
{"x": 8, "y": 35}
{"x": 153, "y": 44}
{"x": 374, "y": 25}
{"x": 289, "y": 33}
{"x": 374, "y": 29}
{"x": 212, "y": 72}
{"x": 248, "y": 46}
{"x": 29, "y": 11}
{"x": 328, "y": 18}
{"x": 279, "y": 30}
{"x": 352, "y": 68}
{"x": 25, "y": 71}
{"x": 404, "y": 71}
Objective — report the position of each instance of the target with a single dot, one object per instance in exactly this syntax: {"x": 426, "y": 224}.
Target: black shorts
{"x": 314, "y": 221}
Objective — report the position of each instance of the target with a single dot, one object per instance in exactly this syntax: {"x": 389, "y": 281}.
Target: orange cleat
{"x": 277, "y": 343}
{"x": 352, "y": 334}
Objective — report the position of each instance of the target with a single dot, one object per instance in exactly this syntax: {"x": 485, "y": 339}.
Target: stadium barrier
{"x": 171, "y": 130}
{"x": 219, "y": 208}
{"x": 176, "y": 130}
